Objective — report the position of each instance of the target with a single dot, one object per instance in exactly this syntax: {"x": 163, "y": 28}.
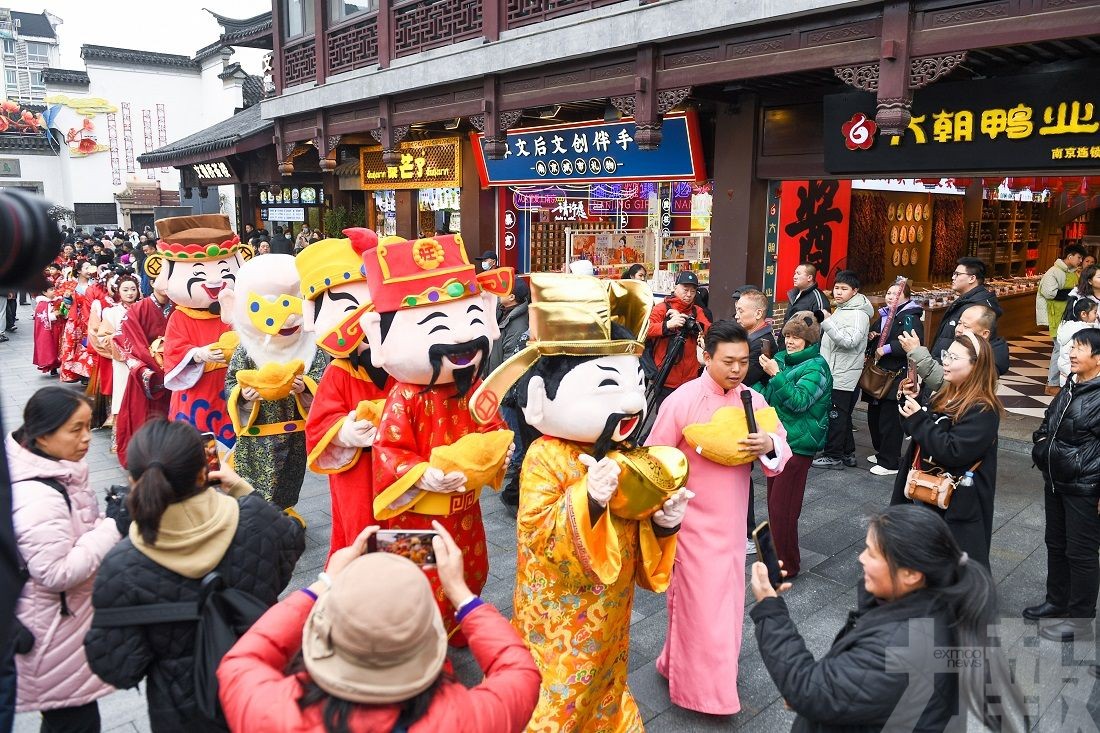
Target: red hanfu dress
{"x": 198, "y": 389}
{"x": 143, "y": 324}
{"x": 47, "y": 335}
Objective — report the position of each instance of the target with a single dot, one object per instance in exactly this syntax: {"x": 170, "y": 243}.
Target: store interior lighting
{"x": 549, "y": 113}
{"x": 452, "y": 124}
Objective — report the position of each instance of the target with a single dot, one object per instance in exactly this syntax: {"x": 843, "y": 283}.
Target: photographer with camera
{"x": 675, "y": 326}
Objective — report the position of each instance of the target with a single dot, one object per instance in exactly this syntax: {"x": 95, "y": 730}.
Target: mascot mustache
{"x": 466, "y": 365}
{"x": 604, "y": 443}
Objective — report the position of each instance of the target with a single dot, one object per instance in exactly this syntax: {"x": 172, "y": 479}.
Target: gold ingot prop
{"x": 648, "y": 477}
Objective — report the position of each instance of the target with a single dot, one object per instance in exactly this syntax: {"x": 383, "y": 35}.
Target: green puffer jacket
{"x": 802, "y": 393}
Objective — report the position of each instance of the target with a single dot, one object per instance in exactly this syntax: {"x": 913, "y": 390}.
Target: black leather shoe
{"x": 1044, "y": 610}
{"x": 850, "y": 461}
{"x": 1070, "y": 629}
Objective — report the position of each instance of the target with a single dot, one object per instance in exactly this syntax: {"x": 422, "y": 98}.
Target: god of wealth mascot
{"x": 343, "y": 419}
{"x": 597, "y": 515}
{"x": 272, "y": 378}
{"x": 198, "y": 257}
{"x": 431, "y": 328}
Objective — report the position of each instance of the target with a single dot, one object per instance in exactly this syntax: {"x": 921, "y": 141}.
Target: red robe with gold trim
{"x": 350, "y": 476}
{"x": 415, "y": 421}
{"x": 198, "y": 389}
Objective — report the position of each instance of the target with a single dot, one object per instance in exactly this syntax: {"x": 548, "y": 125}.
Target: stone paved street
{"x": 832, "y": 533}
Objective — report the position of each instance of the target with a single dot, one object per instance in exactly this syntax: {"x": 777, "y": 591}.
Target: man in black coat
{"x": 750, "y": 309}
{"x": 281, "y": 244}
{"x": 968, "y": 281}
{"x": 805, "y": 295}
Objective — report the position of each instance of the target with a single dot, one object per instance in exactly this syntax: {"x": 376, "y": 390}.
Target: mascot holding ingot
{"x": 597, "y": 515}
{"x": 431, "y": 328}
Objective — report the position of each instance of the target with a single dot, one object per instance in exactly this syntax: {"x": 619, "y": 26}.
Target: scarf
{"x": 194, "y": 534}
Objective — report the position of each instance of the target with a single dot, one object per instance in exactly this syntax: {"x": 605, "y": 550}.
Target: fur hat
{"x": 803, "y": 325}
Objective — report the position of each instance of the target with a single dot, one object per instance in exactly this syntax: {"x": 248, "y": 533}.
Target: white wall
{"x": 42, "y": 170}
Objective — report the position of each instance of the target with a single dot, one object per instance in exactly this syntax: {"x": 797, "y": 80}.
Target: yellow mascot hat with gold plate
{"x": 331, "y": 262}
{"x": 570, "y": 315}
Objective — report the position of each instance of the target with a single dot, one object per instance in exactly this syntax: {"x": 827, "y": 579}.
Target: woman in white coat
{"x": 62, "y": 538}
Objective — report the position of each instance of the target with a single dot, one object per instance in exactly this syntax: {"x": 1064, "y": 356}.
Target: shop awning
{"x": 242, "y": 132}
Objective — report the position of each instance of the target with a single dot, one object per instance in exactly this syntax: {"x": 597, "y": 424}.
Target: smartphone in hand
{"x": 213, "y": 460}
{"x": 415, "y": 545}
{"x": 765, "y": 550}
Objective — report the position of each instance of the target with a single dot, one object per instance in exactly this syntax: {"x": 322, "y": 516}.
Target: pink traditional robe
{"x": 706, "y": 598}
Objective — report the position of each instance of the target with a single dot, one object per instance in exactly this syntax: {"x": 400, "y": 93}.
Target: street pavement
{"x": 832, "y": 531}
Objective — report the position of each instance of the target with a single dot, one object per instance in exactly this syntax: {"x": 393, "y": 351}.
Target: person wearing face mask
{"x": 62, "y": 539}
{"x": 488, "y": 260}
{"x": 957, "y": 434}
{"x": 919, "y": 590}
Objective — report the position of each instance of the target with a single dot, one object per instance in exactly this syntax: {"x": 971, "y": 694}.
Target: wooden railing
{"x": 406, "y": 27}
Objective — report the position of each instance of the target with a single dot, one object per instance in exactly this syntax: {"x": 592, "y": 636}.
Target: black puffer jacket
{"x": 1067, "y": 444}
{"x": 850, "y": 689}
{"x": 811, "y": 299}
{"x": 260, "y": 561}
{"x": 981, "y": 295}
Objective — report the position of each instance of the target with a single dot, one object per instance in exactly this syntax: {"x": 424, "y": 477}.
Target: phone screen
{"x": 765, "y": 550}
{"x": 416, "y": 545}
{"x": 213, "y": 461}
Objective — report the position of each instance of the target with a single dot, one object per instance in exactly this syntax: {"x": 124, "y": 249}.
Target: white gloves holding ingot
{"x": 671, "y": 513}
{"x": 356, "y": 433}
{"x": 603, "y": 478}
{"x": 442, "y": 483}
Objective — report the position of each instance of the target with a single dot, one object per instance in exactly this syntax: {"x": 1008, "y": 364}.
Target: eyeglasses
{"x": 960, "y": 274}
{"x": 946, "y": 357}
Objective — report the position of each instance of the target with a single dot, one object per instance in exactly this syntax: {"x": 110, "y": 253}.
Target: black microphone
{"x": 750, "y": 415}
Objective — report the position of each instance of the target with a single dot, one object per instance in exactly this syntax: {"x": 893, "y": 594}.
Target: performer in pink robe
{"x": 706, "y": 599}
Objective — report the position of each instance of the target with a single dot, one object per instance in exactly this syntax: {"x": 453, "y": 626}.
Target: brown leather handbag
{"x": 935, "y": 487}
{"x": 876, "y": 381}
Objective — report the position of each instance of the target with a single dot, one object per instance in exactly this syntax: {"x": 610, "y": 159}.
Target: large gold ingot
{"x": 273, "y": 380}
{"x": 478, "y": 455}
{"x": 647, "y": 478}
{"x": 717, "y": 440}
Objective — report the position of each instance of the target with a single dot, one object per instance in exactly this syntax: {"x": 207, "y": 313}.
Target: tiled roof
{"x": 253, "y": 90}
{"x": 235, "y": 29}
{"x": 230, "y": 70}
{"x": 36, "y": 25}
{"x": 66, "y": 76}
{"x": 31, "y": 144}
{"x": 221, "y": 136}
{"x": 134, "y": 57}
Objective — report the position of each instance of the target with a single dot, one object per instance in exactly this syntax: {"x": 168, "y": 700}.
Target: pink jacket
{"x": 62, "y": 551}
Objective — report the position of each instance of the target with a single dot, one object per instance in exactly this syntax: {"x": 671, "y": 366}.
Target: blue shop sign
{"x": 592, "y": 152}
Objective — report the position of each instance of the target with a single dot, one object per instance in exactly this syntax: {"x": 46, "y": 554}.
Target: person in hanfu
{"x": 597, "y": 516}
{"x": 272, "y": 378}
{"x": 339, "y": 432}
{"x": 706, "y": 599}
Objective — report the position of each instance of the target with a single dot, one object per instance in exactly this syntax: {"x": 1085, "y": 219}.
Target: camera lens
{"x": 29, "y": 239}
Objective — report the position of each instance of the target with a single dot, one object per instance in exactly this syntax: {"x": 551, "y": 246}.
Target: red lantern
{"x": 961, "y": 183}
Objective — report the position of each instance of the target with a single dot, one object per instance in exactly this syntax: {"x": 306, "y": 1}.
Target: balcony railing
{"x": 403, "y": 28}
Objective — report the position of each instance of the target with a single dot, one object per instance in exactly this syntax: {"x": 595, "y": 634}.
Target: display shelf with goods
{"x": 611, "y": 250}
{"x": 682, "y": 251}
{"x": 1008, "y": 236}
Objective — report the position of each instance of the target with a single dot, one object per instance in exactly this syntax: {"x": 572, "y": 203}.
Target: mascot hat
{"x": 571, "y": 315}
{"x": 195, "y": 238}
{"x": 331, "y": 262}
{"x": 404, "y": 273}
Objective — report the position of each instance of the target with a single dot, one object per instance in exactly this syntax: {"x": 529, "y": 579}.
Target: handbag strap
{"x": 916, "y": 461}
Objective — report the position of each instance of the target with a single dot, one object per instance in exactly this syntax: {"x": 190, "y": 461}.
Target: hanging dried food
{"x": 870, "y": 228}
{"x": 948, "y": 237}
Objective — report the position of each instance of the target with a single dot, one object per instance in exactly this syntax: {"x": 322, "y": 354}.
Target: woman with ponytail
{"x": 186, "y": 523}
{"x": 957, "y": 434}
{"x": 915, "y": 654}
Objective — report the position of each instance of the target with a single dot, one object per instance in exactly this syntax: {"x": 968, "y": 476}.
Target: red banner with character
{"x": 813, "y": 227}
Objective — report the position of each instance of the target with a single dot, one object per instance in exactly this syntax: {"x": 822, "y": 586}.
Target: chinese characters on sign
{"x": 812, "y": 226}
{"x": 596, "y": 151}
{"x": 423, "y": 164}
{"x": 207, "y": 171}
{"x": 1038, "y": 121}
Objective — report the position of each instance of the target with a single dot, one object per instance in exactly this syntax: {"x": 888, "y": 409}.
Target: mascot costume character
{"x": 198, "y": 257}
{"x": 431, "y": 328}
{"x": 597, "y": 515}
{"x": 342, "y": 422}
{"x": 272, "y": 378}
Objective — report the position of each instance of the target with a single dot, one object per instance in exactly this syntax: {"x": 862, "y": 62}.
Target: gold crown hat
{"x": 331, "y": 262}
{"x": 570, "y": 315}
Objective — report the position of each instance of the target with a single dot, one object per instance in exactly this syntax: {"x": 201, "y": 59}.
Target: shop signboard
{"x": 424, "y": 164}
{"x": 813, "y": 228}
{"x": 1048, "y": 122}
{"x": 9, "y": 168}
{"x": 595, "y": 152}
{"x": 284, "y": 213}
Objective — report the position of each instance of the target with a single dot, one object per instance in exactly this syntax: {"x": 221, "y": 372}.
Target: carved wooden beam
{"x": 388, "y": 135}
{"x": 321, "y": 141}
{"x": 494, "y": 125}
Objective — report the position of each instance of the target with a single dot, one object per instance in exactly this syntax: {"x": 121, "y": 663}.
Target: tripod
{"x": 672, "y": 356}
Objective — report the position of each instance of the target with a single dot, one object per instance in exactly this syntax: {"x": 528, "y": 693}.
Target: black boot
{"x": 1046, "y": 609}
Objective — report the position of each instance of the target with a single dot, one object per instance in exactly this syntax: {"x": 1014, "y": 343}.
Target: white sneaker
{"x": 880, "y": 471}
{"x": 872, "y": 458}
{"x": 750, "y": 547}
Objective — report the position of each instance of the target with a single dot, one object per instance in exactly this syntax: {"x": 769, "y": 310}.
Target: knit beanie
{"x": 803, "y": 325}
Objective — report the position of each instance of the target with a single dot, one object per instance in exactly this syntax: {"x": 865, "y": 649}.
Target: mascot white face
{"x": 264, "y": 308}
{"x": 333, "y": 317}
{"x": 598, "y": 400}
{"x": 437, "y": 344}
{"x": 199, "y": 284}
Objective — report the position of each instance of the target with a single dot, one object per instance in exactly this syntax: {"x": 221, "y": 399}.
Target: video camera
{"x": 29, "y": 239}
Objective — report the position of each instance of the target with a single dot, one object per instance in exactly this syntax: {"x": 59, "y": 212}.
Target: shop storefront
{"x": 587, "y": 191}
{"x": 418, "y": 195}
{"x": 1002, "y": 169}
{"x": 290, "y": 206}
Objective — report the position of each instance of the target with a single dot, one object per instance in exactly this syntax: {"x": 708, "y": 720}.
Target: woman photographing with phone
{"x": 919, "y": 593}
{"x": 956, "y": 436}
{"x": 364, "y": 647}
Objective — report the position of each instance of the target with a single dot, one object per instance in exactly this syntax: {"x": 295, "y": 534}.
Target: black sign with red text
{"x": 1048, "y": 122}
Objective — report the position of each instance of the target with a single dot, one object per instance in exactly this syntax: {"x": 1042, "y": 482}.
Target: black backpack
{"x": 223, "y": 616}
